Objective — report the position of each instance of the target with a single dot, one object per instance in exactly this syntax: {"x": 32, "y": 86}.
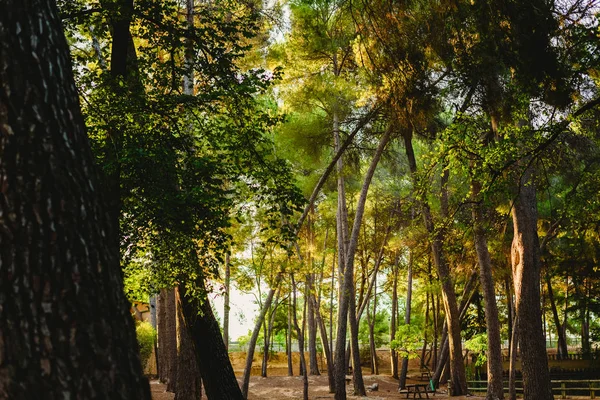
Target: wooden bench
{"x": 414, "y": 389}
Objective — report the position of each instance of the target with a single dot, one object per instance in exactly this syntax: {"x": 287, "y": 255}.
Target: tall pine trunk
{"x": 393, "y": 353}
{"x": 189, "y": 383}
{"x": 217, "y": 373}
{"x": 65, "y": 326}
{"x": 494, "y": 351}
{"x": 347, "y": 296}
{"x": 526, "y": 279}
{"x": 457, "y": 368}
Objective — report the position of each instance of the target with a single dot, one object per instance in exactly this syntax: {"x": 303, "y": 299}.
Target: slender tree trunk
{"x": 393, "y": 353}
{"x": 347, "y": 297}
{"x": 457, "y": 368}
{"x": 268, "y": 336}
{"x": 226, "y": 301}
{"x": 254, "y": 337}
{"x": 312, "y": 328}
{"x": 326, "y": 348}
{"x": 289, "y": 340}
{"x": 526, "y": 278}
{"x": 494, "y": 351}
{"x": 300, "y": 345}
{"x": 562, "y": 342}
{"x": 217, "y": 373}
{"x": 512, "y": 369}
{"x": 409, "y": 279}
{"x": 189, "y": 383}
{"x": 163, "y": 360}
{"x": 65, "y": 326}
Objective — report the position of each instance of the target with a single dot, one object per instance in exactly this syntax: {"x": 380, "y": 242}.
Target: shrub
{"x": 146, "y": 335}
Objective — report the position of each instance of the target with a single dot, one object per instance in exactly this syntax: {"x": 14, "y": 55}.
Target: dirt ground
{"x": 290, "y": 388}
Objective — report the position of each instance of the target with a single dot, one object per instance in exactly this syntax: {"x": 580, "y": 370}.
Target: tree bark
{"x": 65, "y": 326}
{"x": 217, "y": 373}
{"x": 347, "y": 297}
{"x": 289, "y": 340}
{"x": 189, "y": 383}
{"x": 526, "y": 279}
{"x": 495, "y": 389}
{"x": 457, "y": 368}
{"x": 326, "y": 347}
{"x": 171, "y": 340}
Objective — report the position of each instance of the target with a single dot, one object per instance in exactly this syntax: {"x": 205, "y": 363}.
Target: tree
{"x": 57, "y": 256}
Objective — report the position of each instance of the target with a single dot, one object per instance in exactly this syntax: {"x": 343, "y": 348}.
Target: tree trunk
{"x": 347, "y": 296}
{"x": 562, "y": 342}
{"x": 393, "y": 353}
{"x": 254, "y": 337}
{"x": 326, "y": 348}
{"x": 289, "y": 341}
{"x": 404, "y": 369}
{"x": 512, "y": 369}
{"x": 300, "y": 345}
{"x": 65, "y": 326}
{"x": 312, "y": 328}
{"x": 494, "y": 351}
{"x": 267, "y": 337}
{"x": 171, "y": 340}
{"x": 226, "y": 301}
{"x": 189, "y": 384}
{"x": 457, "y": 368}
{"x": 217, "y": 373}
{"x": 163, "y": 360}
{"x": 526, "y": 279}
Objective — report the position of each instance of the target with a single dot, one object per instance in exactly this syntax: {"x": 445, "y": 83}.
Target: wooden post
{"x": 563, "y": 391}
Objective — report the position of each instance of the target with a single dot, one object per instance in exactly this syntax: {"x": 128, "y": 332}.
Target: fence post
{"x": 592, "y": 391}
{"x": 563, "y": 392}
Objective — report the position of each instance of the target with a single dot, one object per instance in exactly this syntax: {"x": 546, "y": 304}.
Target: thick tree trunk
{"x": 494, "y": 351}
{"x": 217, "y": 373}
{"x": 393, "y": 353}
{"x": 189, "y": 383}
{"x": 254, "y": 337}
{"x": 171, "y": 340}
{"x": 65, "y": 326}
{"x": 457, "y": 368}
{"x": 347, "y": 296}
{"x": 163, "y": 360}
{"x": 526, "y": 279}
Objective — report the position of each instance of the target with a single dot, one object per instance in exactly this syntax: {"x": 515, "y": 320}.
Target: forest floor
{"x": 290, "y": 388}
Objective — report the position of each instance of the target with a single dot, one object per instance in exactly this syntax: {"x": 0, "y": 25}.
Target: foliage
{"x": 408, "y": 341}
{"x": 478, "y": 344}
{"x": 146, "y": 337}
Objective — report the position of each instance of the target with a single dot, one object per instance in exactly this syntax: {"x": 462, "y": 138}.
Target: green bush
{"x": 146, "y": 335}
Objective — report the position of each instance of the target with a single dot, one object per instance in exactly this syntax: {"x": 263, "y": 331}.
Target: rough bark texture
{"x": 189, "y": 384}
{"x": 457, "y": 368}
{"x": 494, "y": 351}
{"x": 217, "y": 373}
{"x": 526, "y": 279}
{"x": 65, "y": 326}
{"x": 300, "y": 344}
{"x": 162, "y": 364}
